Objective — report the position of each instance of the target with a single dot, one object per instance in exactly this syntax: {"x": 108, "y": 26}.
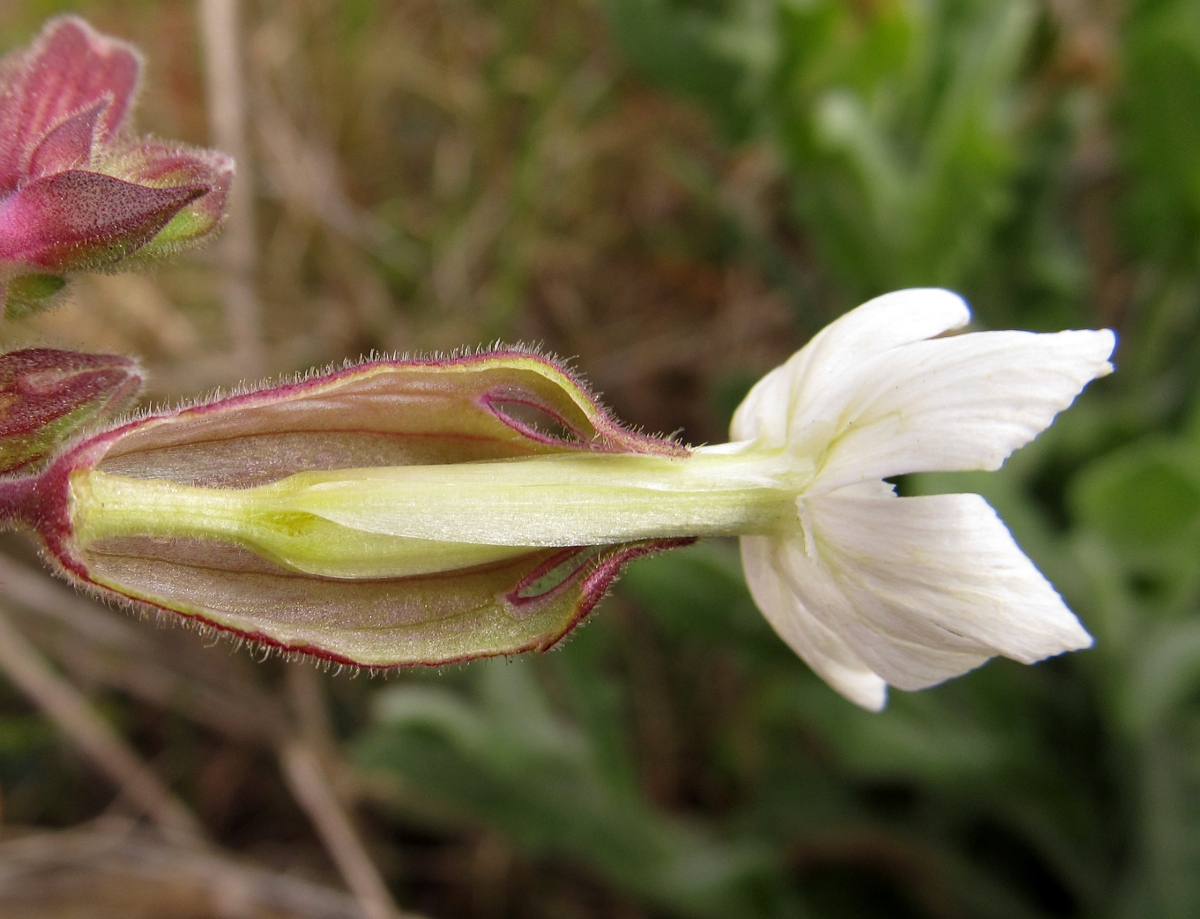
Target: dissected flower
{"x": 406, "y": 512}
{"x": 77, "y": 190}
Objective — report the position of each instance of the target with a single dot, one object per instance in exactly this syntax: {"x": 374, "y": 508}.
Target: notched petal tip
{"x": 1101, "y": 351}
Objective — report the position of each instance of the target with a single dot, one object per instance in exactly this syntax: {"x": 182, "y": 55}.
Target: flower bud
{"x": 77, "y": 190}
{"x": 48, "y": 396}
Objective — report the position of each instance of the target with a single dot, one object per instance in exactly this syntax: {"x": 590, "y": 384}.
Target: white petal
{"x": 820, "y": 648}
{"x": 964, "y": 402}
{"x": 875, "y": 327}
{"x": 924, "y": 589}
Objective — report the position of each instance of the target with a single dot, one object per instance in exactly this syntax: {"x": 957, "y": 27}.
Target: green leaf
{"x": 1144, "y": 498}
{"x": 506, "y": 757}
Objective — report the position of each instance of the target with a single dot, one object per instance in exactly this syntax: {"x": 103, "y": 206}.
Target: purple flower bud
{"x": 48, "y": 396}
{"x": 77, "y": 190}
{"x": 505, "y": 405}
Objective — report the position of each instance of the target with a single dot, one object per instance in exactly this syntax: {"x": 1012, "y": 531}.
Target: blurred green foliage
{"x": 1045, "y": 164}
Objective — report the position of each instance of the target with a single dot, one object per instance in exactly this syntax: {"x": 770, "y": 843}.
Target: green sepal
{"x": 524, "y": 604}
{"x": 29, "y": 294}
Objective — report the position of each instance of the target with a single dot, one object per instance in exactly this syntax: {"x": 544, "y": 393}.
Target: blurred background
{"x": 675, "y": 194}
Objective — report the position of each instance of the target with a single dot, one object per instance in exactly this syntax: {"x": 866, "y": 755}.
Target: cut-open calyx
{"x": 307, "y": 584}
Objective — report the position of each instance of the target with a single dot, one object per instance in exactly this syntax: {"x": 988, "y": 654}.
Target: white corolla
{"x": 875, "y": 589}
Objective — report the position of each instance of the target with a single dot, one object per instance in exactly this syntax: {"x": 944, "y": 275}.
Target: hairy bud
{"x": 48, "y": 396}
{"x": 78, "y": 192}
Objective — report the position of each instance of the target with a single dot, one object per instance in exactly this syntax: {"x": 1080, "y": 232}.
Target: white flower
{"x": 873, "y": 589}
{"x": 462, "y": 515}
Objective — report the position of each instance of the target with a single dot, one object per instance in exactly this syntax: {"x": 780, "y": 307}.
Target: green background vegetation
{"x": 677, "y": 193}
